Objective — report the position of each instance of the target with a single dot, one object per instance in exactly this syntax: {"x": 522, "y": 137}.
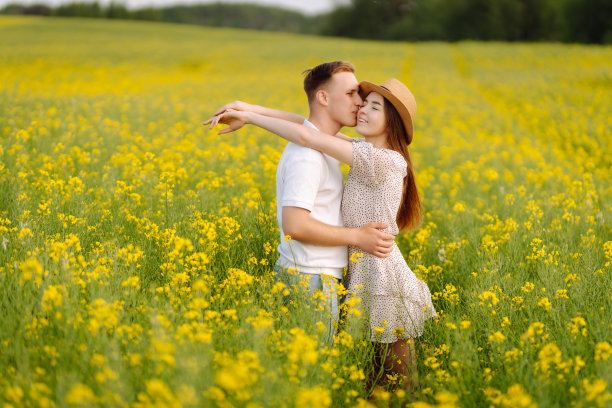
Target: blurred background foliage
{"x": 582, "y": 21}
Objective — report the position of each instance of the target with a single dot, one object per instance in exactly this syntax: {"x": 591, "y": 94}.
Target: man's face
{"x": 343, "y": 98}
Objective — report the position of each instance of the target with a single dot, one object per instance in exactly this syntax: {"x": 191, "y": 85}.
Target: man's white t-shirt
{"x": 309, "y": 179}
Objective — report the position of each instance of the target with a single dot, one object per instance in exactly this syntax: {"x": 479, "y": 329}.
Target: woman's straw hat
{"x": 400, "y": 97}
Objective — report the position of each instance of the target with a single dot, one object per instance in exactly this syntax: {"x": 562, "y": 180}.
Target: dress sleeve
{"x": 373, "y": 166}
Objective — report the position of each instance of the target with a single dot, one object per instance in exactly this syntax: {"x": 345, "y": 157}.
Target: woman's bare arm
{"x": 262, "y": 110}
{"x": 343, "y": 137}
{"x": 265, "y": 111}
{"x": 336, "y": 147}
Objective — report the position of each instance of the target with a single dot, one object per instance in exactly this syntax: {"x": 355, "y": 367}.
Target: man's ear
{"x": 322, "y": 97}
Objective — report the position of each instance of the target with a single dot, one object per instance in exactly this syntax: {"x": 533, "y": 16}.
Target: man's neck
{"x": 324, "y": 124}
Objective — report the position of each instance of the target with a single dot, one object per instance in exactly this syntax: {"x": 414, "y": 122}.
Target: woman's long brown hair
{"x": 410, "y": 213}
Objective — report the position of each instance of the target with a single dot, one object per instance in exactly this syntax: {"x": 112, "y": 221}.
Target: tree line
{"x": 584, "y": 21}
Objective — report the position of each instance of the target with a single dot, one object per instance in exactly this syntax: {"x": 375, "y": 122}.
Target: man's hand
{"x": 298, "y": 223}
{"x": 234, "y": 119}
{"x": 373, "y": 241}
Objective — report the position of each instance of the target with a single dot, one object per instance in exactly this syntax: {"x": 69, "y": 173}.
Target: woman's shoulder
{"x": 390, "y": 155}
{"x": 397, "y": 157}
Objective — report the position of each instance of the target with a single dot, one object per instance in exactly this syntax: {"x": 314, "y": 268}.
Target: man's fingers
{"x": 386, "y": 240}
{"x": 377, "y": 225}
{"x": 387, "y": 243}
{"x": 208, "y": 121}
{"x": 386, "y": 249}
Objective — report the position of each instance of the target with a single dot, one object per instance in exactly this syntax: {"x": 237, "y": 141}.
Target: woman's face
{"x": 371, "y": 120}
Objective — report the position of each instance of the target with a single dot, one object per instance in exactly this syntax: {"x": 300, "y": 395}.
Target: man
{"x": 309, "y": 187}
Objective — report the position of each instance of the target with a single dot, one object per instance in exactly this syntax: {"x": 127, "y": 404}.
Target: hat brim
{"x": 366, "y": 87}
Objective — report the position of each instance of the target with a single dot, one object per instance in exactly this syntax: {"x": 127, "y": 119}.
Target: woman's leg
{"x": 376, "y": 373}
{"x": 401, "y": 359}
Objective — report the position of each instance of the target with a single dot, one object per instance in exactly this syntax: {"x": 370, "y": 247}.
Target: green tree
{"x": 117, "y": 10}
{"x": 79, "y": 10}
{"x": 589, "y": 21}
{"x": 366, "y": 18}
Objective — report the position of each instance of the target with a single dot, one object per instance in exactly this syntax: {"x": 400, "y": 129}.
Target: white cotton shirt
{"x": 309, "y": 179}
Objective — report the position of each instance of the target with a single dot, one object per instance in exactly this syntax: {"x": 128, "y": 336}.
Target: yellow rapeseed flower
{"x": 603, "y": 351}
{"x": 548, "y": 357}
{"x": 302, "y": 348}
{"x": 596, "y": 391}
{"x": 157, "y": 394}
{"x": 313, "y": 397}
{"x": 31, "y": 269}
{"x": 497, "y": 337}
{"x": 81, "y": 394}
{"x": 52, "y": 297}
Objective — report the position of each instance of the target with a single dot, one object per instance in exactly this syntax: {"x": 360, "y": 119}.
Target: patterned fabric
{"x": 395, "y": 300}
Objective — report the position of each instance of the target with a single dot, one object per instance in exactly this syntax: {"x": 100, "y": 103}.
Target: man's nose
{"x": 358, "y": 100}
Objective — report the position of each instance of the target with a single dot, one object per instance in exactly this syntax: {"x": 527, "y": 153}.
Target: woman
{"x": 380, "y": 187}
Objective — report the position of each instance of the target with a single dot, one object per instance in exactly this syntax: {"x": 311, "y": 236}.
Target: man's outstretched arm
{"x": 298, "y": 224}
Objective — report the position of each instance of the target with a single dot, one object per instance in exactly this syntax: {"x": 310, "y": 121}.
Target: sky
{"x": 305, "y": 6}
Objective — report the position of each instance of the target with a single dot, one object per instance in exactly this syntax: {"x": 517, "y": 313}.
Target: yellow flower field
{"x": 136, "y": 246}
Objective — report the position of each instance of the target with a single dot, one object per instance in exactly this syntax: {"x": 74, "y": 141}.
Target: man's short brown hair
{"x": 319, "y": 75}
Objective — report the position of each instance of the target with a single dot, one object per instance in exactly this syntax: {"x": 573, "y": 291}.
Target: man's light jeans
{"x": 327, "y": 284}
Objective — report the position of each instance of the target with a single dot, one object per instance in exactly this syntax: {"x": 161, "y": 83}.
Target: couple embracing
{"x": 330, "y": 223}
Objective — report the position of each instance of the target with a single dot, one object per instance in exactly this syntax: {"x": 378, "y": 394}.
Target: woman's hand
{"x": 234, "y": 119}
{"x": 235, "y": 106}
{"x": 260, "y": 110}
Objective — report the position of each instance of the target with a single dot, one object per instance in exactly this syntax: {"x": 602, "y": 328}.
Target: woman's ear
{"x": 322, "y": 97}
